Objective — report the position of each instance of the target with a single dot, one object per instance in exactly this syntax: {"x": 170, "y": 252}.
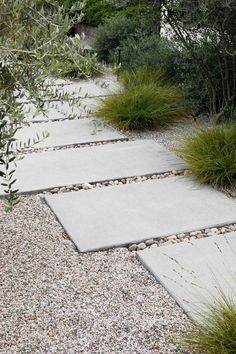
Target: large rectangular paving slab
{"x": 43, "y": 170}
{"x": 196, "y": 273}
{"x": 69, "y": 132}
{"x": 115, "y": 216}
{"x": 55, "y": 110}
{"x": 105, "y": 85}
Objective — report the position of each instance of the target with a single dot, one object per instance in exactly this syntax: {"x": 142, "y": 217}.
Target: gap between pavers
{"x": 197, "y": 273}
{"x": 44, "y": 170}
{"x": 103, "y": 218}
{"x": 70, "y": 132}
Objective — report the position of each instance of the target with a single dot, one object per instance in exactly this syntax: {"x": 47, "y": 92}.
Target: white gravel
{"x": 169, "y": 137}
{"x": 57, "y": 300}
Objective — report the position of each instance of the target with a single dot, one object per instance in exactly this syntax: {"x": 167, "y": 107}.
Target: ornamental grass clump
{"x": 211, "y": 156}
{"x": 144, "y": 103}
{"x": 143, "y": 77}
{"x": 215, "y": 333}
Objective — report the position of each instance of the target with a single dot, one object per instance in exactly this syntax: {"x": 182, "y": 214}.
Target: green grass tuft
{"x": 211, "y": 156}
{"x": 143, "y": 77}
{"x": 144, "y": 107}
{"x": 216, "y": 332}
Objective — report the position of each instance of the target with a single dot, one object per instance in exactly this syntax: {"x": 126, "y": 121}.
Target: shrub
{"x": 211, "y": 156}
{"x": 216, "y": 334}
{"x": 95, "y": 12}
{"x": 111, "y": 34}
{"x": 142, "y": 77}
{"x": 144, "y": 107}
{"x": 151, "y": 52}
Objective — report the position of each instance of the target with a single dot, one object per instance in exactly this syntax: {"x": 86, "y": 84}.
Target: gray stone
{"x": 55, "y": 190}
{"x": 87, "y": 186}
{"x": 141, "y": 246}
{"x": 132, "y": 247}
{"x": 195, "y": 273}
{"x": 149, "y": 242}
{"x": 131, "y": 213}
{"x": 172, "y": 237}
{"x": 69, "y": 132}
{"x": 39, "y": 171}
{"x": 154, "y": 245}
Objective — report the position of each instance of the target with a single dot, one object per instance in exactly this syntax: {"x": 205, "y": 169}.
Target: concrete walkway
{"x": 118, "y": 215}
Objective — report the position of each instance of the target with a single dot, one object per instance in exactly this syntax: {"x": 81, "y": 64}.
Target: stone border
{"x": 72, "y": 146}
{"x": 113, "y": 182}
{"x": 183, "y": 237}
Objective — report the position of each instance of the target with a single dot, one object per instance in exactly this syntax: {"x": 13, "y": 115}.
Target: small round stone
{"x": 55, "y": 190}
{"x": 223, "y": 230}
{"x": 141, "y": 246}
{"x": 133, "y": 247}
{"x": 87, "y": 186}
{"x": 172, "y": 237}
{"x": 193, "y": 238}
{"x": 214, "y": 229}
{"x": 154, "y": 245}
{"x": 149, "y": 242}
{"x": 232, "y": 227}
{"x": 181, "y": 236}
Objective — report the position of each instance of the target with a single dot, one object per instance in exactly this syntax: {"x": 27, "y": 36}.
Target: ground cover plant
{"x": 211, "y": 155}
{"x": 215, "y": 333}
{"x": 145, "y": 103}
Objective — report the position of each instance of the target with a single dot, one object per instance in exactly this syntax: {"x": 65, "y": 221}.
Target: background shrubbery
{"x": 110, "y": 35}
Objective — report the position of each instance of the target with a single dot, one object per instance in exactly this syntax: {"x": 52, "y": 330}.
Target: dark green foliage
{"x": 214, "y": 51}
{"x": 146, "y": 106}
{"x": 97, "y": 11}
{"x": 110, "y": 35}
{"x": 211, "y": 156}
{"x": 151, "y": 52}
{"x": 216, "y": 334}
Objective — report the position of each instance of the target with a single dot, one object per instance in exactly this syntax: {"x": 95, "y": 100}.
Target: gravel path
{"x": 169, "y": 137}
{"x": 57, "y": 300}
